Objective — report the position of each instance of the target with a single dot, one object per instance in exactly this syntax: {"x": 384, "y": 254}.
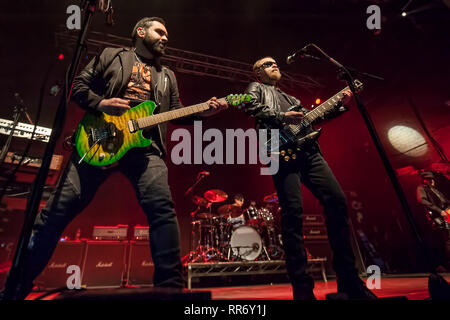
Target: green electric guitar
{"x": 102, "y": 139}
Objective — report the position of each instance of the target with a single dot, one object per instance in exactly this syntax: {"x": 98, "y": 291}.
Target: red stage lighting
{"x": 61, "y": 56}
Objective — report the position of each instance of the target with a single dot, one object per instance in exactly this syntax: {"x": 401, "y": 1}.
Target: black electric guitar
{"x": 294, "y": 137}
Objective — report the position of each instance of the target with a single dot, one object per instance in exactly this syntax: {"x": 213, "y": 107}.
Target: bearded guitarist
{"x": 303, "y": 162}
{"x": 112, "y": 83}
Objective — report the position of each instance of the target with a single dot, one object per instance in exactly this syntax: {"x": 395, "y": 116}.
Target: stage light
{"x": 61, "y": 56}
{"x": 318, "y": 101}
{"x": 407, "y": 141}
{"x": 404, "y": 14}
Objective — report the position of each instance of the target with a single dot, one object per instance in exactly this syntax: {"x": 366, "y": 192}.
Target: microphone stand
{"x": 5, "y": 148}
{"x": 14, "y": 285}
{"x": 17, "y": 111}
{"x": 199, "y": 178}
{"x": 345, "y": 74}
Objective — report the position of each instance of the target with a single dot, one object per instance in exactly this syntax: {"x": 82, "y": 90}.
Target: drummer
{"x": 236, "y": 214}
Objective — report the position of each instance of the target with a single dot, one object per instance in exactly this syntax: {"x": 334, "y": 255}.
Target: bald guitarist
{"x": 304, "y": 163}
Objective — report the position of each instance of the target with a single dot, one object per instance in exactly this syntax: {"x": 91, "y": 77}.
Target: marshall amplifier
{"x": 315, "y": 233}
{"x": 118, "y": 233}
{"x": 140, "y": 264}
{"x": 104, "y": 264}
{"x": 321, "y": 249}
{"x": 141, "y": 233}
{"x": 313, "y": 220}
{"x": 55, "y": 274}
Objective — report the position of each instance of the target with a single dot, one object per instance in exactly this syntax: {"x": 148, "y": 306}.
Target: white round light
{"x": 408, "y": 141}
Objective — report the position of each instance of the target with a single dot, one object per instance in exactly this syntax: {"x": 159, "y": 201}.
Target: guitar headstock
{"x": 238, "y": 100}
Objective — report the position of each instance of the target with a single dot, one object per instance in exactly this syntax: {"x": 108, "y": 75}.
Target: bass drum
{"x": 246, "y": 243}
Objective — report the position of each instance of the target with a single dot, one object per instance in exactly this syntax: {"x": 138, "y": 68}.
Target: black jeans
{"x": 147, "y": 173}
{"x": 313, "y": 171}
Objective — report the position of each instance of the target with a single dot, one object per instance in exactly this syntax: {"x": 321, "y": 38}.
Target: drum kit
{"x": 231, "y": 233}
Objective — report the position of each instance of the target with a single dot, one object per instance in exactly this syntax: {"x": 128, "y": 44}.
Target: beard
{"x": 275, "y": 76}
{"x": 155, "y": 47}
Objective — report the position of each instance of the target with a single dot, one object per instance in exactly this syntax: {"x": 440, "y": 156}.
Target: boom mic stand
{"x": 14, "y": 285}
{"x": 346, "y": 75}
{"x": 18, "y": 109}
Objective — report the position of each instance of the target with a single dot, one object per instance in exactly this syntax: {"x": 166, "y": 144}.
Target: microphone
{"x": 300, "y": 54}
{"x": 18, "y": 99}
{"x": 202, "y": 174}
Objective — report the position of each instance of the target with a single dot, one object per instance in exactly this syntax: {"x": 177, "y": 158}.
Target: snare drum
{"x": 236, "y": 222}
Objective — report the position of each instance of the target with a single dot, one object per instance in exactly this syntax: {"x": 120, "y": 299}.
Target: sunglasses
{"x": 267, "y": 64}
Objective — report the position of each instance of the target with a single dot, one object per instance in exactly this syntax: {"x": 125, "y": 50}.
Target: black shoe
{"x": 303, "y": 292}
{"x": 438, "y": 288}
{"x": 19, "y": 294}
{"x": 304, "y": 295}
{"x": 355, "y": 290}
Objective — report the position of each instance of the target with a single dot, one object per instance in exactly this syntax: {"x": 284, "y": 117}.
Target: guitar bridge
{"x": 133, "y": 126}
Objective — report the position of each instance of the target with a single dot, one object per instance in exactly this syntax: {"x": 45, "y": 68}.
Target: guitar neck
{"x": 318, "y": 113}
{"x": 172, "y": 115}
{"x": 325, "y": 107}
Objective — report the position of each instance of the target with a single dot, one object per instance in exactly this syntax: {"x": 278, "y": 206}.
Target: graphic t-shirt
{"x": 139, "y": 90}
{"x": 139, "y": 86}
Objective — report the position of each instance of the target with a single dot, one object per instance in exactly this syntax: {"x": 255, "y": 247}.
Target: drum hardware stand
{"x": 205, "y": 252}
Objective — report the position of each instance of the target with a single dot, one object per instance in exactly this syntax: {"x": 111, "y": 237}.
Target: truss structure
{"x": 217, "y": 269}
{"x": 183, "y": 61}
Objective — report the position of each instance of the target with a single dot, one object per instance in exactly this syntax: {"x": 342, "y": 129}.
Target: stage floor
{"x": 414, "y": 287}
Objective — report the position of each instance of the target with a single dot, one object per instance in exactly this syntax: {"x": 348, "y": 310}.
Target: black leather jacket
{"x": 107, "y": 76}
{"x": 265, "y": 106}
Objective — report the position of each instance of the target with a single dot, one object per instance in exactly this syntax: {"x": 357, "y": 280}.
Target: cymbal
{"x": 271, "y": 198}
{"x": 229, "y": 209}
{"x": 215, "y": 195}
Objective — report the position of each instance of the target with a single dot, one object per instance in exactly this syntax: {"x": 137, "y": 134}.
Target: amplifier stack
{"x": 110, "y": 261}
{"x": 316, "y": 242}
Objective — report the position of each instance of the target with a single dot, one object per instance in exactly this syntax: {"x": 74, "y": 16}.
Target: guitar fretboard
{"x": 171, "y": 115}
{"x": 319, "y": 111}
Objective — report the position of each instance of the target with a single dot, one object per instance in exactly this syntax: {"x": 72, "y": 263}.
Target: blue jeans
{"x": 147, "y": 173}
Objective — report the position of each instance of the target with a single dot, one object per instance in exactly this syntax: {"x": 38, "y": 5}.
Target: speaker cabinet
{"x": 140, "y": 264}
{"x": 321, "y": 248}
{"x": 55, "y": 275}
{"x": 104, "y": 264}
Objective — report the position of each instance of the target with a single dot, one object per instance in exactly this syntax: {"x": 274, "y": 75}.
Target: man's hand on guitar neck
{"x": 114, "y": 106}
{"x": 293, "y": 117}
{"x": 215, "y": 106}
{"x": 347, "y": 96}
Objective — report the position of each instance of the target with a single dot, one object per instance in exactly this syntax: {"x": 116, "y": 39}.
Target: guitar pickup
{"x": 133, "y": 126}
